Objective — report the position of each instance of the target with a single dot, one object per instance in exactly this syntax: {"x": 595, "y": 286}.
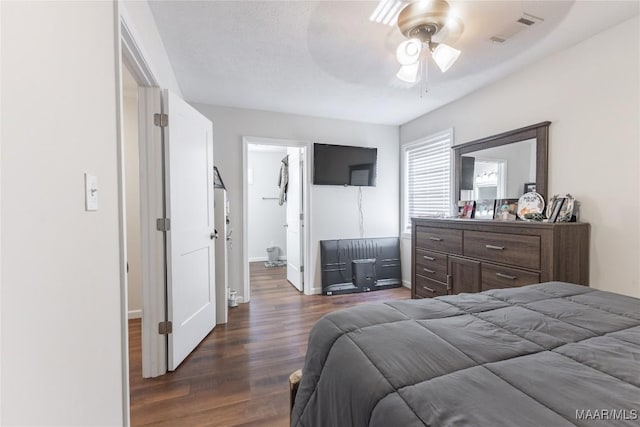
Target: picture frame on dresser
{"x": 466, "y": 209}
{"x": 529, "y": 187}
{"x": 485, "y": 209}
{"x": 567, "y": 211}
{"x": 555, "y": 207}
{"x": 567, "y": 208}
{"x": 506, "y": 210}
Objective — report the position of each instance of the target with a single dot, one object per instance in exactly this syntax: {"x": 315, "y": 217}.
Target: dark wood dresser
{"x": 450, "y": 256}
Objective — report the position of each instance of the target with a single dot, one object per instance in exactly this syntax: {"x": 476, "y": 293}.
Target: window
{"x": 426, "y": 180}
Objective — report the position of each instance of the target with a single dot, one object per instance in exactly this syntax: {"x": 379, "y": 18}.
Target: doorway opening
{"x": 168, "y": 220}
{"x": 276, "y": 204}
{"x": 131, "y": 186}
{"x": 489, "y": 179}
{"x": 167, "y": 231}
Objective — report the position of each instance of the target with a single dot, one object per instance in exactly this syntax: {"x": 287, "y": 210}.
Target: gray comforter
{"x": 552, "y": 354}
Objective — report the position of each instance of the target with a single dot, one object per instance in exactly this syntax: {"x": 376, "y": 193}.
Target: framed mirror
{"x": 503, "y": 166}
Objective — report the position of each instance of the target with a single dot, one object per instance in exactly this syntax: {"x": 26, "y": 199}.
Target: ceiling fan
{"x": 427, "y": 25}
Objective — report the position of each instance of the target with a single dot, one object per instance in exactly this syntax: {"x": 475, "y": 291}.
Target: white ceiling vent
{"x": 525, "y": 21}
{"x": 529, "y": 19}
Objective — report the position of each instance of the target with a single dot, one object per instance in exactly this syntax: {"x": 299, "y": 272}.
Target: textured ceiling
{"x": 326, "y": 59}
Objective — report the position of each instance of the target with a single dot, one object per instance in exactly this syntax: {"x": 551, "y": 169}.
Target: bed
{"x": 550, "y": 354}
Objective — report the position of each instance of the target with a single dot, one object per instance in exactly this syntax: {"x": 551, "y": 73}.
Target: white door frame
{"x": 306, "y": 235}
{"x": 129, "y": 53}
{"x": 122, "y": 223}
{"x": 152, "y": 241}
{"x": 154, "y": 353}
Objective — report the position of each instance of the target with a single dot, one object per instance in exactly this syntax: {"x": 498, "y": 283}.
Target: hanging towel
{"x": 283, "y": 179}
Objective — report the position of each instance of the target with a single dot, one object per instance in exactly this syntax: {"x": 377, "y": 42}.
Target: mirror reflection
{"x": 499, "y": 172}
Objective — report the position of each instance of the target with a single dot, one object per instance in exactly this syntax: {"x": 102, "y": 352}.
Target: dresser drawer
{"x": 426, "y": 288}
{"x": 497, "y": 277}
{"x": 439, "y": 239}
{"x": 514, "y": 249}
{"x": 431, "y": 264}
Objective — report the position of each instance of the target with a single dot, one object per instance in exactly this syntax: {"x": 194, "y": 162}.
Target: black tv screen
{"x": 344, "y": 165}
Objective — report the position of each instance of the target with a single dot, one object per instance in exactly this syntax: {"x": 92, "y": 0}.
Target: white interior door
{"x": 191, "y": 306}
{"x": 295, "y": 219}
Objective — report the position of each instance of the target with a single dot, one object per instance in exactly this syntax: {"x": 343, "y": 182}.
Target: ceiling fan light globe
{"x": 445, "y": 56}
{"x": 408, "y": 52}
{"x": 409, "y": 73}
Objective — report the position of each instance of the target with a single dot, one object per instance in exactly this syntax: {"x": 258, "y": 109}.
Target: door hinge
{"x": 302, "y": 269}
{"x": 163, "y": 224}
{"x": 165, "y": 328}
{"x": 301, "y": 216}
{"x": 161, "y": 120}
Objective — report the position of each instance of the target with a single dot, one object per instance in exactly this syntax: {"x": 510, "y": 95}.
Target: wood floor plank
{"x": 238, "y": 376}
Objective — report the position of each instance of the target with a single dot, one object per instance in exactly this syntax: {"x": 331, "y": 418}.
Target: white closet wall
{"x": 266, "y": 217}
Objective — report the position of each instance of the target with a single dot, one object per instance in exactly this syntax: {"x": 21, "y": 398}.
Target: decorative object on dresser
{"x": 553, "y": 208}
{"x": 485, "y": 209}
{"x": 529, "y": 187}
{"x": 506, "y": 210}
{"x": 451, "y": 256}
{"x": 565, "y": 206}
{"x": 530, "y": 203}
{"x": 466, "y": 208}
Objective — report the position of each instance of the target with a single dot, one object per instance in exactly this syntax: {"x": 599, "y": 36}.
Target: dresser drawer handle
{"x": 437, "y": 239}
{"x": 506, "y": 276}
{"x": 426, "y": 288}
{"x": 430, "y": 258}
{"x": 429, "y": 271}
{"x": 496, "y": 248}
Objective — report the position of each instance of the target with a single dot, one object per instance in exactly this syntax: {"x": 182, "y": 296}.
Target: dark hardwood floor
{"x": 238, "y": 376}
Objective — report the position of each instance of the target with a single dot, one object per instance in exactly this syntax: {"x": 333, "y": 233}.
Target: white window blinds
{"x": 427, "y": 180}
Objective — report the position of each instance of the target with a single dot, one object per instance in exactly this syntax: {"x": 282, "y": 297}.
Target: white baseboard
{"x": 264, "y": 258}
{"x": 316, "y": 291}
{"x": 135, "y": 314}
{"x": 406, "y": 284}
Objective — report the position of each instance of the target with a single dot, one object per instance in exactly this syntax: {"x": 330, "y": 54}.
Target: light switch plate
{"x": 91, "y": 192}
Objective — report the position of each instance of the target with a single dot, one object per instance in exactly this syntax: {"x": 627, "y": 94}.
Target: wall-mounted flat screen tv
{"x": 344, "y": 165}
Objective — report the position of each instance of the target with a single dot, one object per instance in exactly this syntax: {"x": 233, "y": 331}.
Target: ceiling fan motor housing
{"x": 424, "y": 19}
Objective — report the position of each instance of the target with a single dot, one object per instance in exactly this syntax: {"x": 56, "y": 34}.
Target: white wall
{"x": 266, "y": 217}
{"x": 590, "y": 93}
{"x": 334, "y": 209}
{"x": 139, "y": 20}
{"x": 132, "y": 200}
{"x": 61, "y": 302}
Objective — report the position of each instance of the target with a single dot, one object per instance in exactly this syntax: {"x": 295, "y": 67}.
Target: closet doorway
{"x": 276, "y": 196}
